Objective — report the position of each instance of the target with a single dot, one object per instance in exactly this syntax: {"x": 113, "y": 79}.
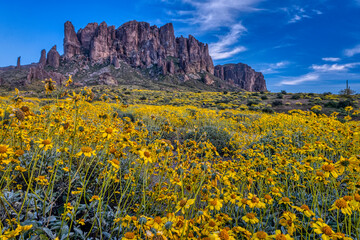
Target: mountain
{"x": 133, "y": 54}
{"x": 241, "y": 75}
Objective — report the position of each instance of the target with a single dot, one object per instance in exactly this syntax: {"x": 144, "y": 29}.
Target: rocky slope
{"x": 101, "y": 54}
{"x": 241, "y": 75}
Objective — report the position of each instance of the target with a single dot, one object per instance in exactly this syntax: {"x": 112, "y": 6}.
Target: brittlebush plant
{"x": 71, "y": 168}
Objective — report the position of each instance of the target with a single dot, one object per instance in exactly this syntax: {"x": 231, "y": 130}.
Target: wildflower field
{"x": 73, "y": 168}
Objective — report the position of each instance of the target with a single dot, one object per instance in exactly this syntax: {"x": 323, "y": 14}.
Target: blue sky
{"x": 300, "y": 46}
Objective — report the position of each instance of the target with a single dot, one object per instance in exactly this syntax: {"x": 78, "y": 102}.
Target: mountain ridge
{"x": 153, "y": 52}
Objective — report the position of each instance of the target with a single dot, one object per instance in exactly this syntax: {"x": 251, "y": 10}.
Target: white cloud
{"x": 284, "y": 45}
{"x": 212, "y": 14}
{"x": 298, "y": 80}
{"x": 352, "y": 51}
{"x": 331, "y": 59}
{"x": 317, "y": 12}
{"x": 228, "y": 54}
{"x": 223, "y": 48}
{"x": 297, "y": 13}
{"x": 280, "y": 64}
{"x": 325, "y": 72}
{"x": 334, "y": 67}
{"x": 274, "y": 67}
{"x": 297, "y": 18}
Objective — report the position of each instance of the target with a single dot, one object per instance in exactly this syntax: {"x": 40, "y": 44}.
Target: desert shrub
{"x": 276, "y": 103}
{"x": 227, "y": 115}
{"x": 264, "y": 97}
{"x": 217, "y": 136}
{"x": 268, "y": 110}
{"x": 296, "y": 96}
{"x": 253, "y": 108}
{"x": 316, "y": 109}
{"x": 279, "y": 96}
{"x": 251, "y": 102}
{"x": 123, "y": 115}
{"x": 331, "y": 104}
{"x": 345, "y": 103}
{"x": 223, "y": 101}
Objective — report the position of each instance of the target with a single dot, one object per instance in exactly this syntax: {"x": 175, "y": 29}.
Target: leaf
{"x": 48, "y": 232}
{"x": 79, "y": 231}
{"x": 65, "y": 230}
{"x": 106, "y": 234}
{"x": 51, "y": 218}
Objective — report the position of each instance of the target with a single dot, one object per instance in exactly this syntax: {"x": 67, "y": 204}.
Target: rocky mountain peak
{"x": 71, "y": 41}
{"x": 53, "y": 57}
{"x": 42, "y": 60}
{"x": 241, "y": 75}
{"x": 140, "y": 45}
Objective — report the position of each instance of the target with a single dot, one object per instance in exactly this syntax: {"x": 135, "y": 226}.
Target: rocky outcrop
{"x": 39, "y": 73}
{"x": 85, "y": 37}
{"x": 140, "y": 45}
{"x": 53, "y": 57}
{"x": 102, "y": 41}
{"x": 115, "y": 62}
{"x": 167, "y": 39}
{"x": 71, "y": 41}
{"x": 207, "y": 80}
{"x": 241, "y": 75}
{"x": 107, "y": 79}
{"x": 194, "y": 55}
{"x": 42, "y": 60}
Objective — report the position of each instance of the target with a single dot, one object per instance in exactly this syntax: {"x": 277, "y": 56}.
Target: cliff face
{"x": 140, "y": 45}
{"x": 241, "y": 75}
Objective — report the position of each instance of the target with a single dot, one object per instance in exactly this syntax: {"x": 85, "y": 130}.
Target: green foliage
{"x": 279, "y": 96}
{"x": 277, "y": 103}
{"x": 268, "y": 110}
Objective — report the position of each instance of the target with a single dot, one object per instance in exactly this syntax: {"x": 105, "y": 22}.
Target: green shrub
{"x": 296, "y": 96}
{"x": 332, "y": 104}
{"x": 251, "y": 102}
{"x": 268, "y": 110}
{"x": 277, "y": 103}
{"x": 345, "y": 103}
{"x": 218, "y": 137}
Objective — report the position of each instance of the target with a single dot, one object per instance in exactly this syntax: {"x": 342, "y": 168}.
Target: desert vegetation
{"x": 100, "y": 163}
